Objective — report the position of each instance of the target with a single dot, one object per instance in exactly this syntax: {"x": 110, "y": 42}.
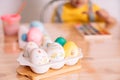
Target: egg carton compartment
{"x": 93, "y": 31}
{"x": 40, "y": 69}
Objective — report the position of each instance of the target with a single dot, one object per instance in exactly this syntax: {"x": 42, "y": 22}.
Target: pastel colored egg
{"x": 28, "y": 48}
{"x": 38, "y": 25}
{"x": 24, "y": 37}
{"x": 39, "y": 56}
{"x": 55, "y": 51}
{"x": 71, "y": 49}
{"x": 61, "y": 41}
{"x": 35, "y": 35}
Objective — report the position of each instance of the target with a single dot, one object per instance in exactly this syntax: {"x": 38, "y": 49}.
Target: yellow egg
{"x": 71, "y": 49}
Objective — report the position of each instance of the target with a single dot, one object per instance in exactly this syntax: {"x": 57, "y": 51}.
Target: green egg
{"x": 61, "y": 41}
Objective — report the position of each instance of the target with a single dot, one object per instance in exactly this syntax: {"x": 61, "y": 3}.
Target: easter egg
{"x": 35, "y": 35}
{"x": 46, "y": 40}
{"x": 55, "y": 51}
{"x": 24, "y": 37}
{"x": 61, "y": 41}
{"x": 39, "y": 56}
{"x": 38, "y": 25}
{"x": 28, "y": 48}
{"x": 71, "y": 49}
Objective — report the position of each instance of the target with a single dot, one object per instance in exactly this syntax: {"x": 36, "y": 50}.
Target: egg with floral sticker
{"x": 55, "y": 51}
{"x": 71, "y": 49}
{"x": 39, "y": 56}
{"x": 29, "y": 47}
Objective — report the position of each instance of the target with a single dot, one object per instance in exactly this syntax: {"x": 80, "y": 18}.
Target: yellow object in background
{"x": 70, "y": 14}
{"x": 71, "y": 49}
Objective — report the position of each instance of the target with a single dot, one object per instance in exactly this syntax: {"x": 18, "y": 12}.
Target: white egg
{"x": 55, "y": 51}
{"x": 39, "y": 56}
{"x": 29, "y": 47}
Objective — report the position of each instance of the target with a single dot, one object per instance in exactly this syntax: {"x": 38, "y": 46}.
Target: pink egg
{"x": 35, "y": 35}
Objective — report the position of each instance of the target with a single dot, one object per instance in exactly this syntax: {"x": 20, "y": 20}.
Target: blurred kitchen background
{"x": 34, "y": 8}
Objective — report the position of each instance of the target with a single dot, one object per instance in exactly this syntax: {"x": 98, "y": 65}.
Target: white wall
{"x": 32, "y": 10}
{"x": 9, "y": 6}
{"x": 112, "y": 6}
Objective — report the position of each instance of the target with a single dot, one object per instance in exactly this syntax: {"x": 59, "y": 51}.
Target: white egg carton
{"x": 40, "y": 69}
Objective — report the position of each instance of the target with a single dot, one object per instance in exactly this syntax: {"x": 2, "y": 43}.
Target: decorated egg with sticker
{"x": 71, "y": 49}
{"x": 55, "y": 51}
{"x": 28, "y": 48}
{"x": 39, "y": 56}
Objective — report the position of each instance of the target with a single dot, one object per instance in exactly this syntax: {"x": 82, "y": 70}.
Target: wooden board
{"x": 26, "y": 71}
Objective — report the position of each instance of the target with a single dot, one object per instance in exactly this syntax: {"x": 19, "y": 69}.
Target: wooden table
{"x": 101, "y": 59}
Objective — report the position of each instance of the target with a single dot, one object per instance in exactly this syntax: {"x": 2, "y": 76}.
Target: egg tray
{"x": 40, "y": 69}
{"x": 93, "y": 31}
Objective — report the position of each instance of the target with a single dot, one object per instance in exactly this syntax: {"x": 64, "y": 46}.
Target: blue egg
{"x": 24, "y": 37}
{"x": 37, "y": 24}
